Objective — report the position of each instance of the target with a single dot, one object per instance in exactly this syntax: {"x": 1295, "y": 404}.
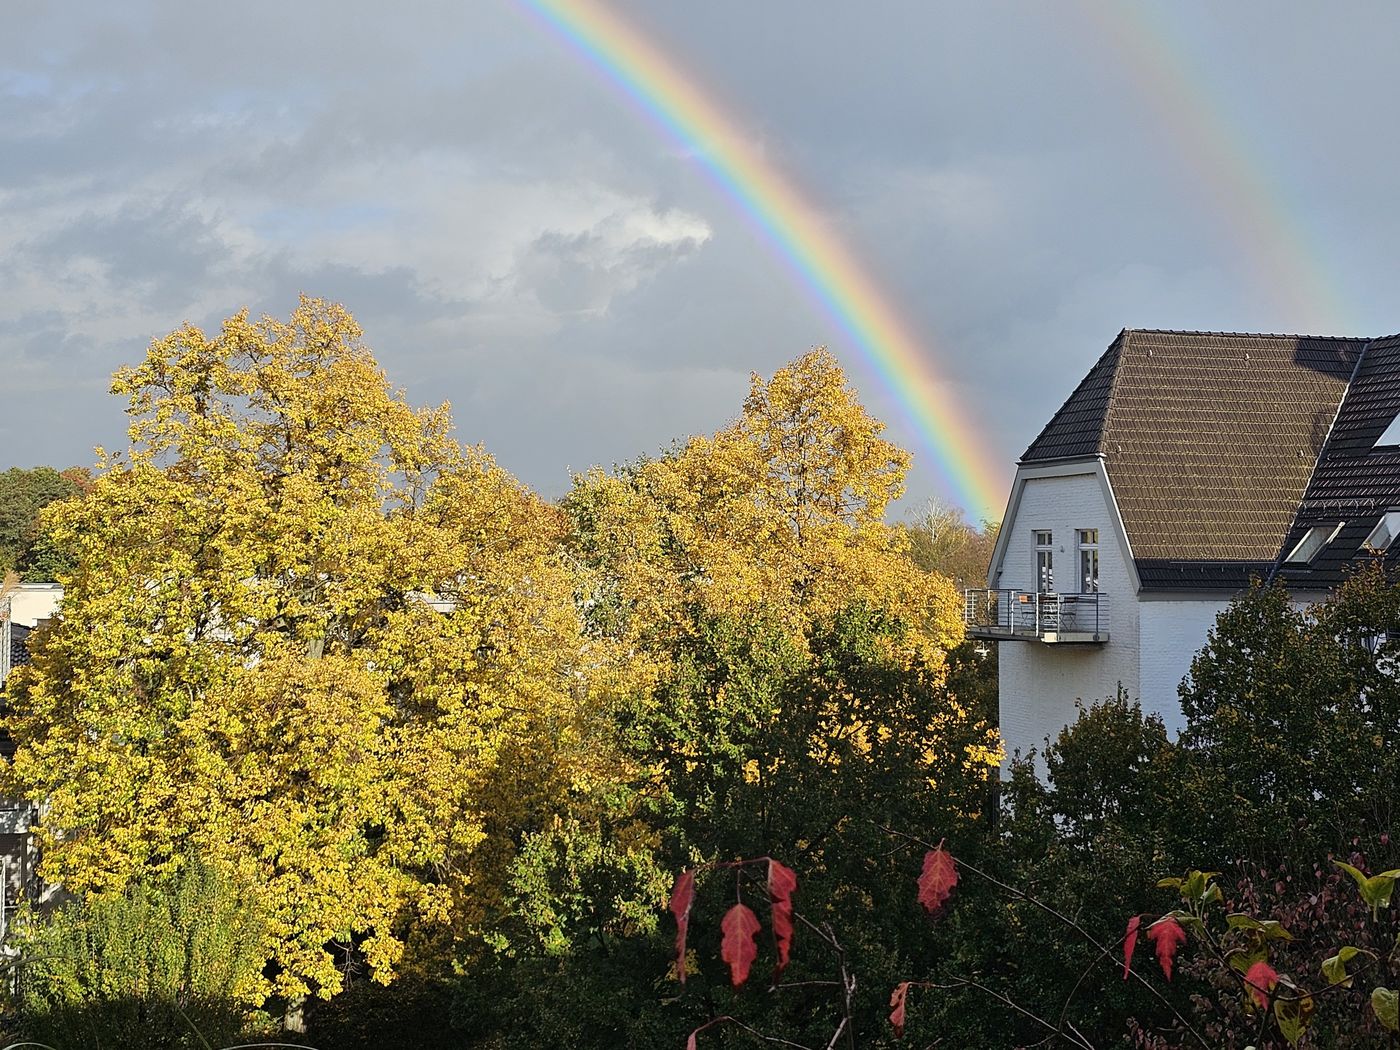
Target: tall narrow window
{"x": 1088, "y": 561}
{"x": 1044, "y": 561}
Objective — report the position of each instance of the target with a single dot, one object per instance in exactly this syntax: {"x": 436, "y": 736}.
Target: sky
{"x": 516, "y": 236}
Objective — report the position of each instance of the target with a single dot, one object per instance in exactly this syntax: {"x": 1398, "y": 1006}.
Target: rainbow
{"x": 1248, "y": 200}
{"x": 797, "y": 232}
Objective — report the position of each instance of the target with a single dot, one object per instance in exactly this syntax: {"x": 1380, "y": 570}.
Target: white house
{"x": 1183, "y": 464}
{"x": 21, "y": 609}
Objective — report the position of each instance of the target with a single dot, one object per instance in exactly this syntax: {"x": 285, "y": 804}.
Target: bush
{"x": 170, "y": 965}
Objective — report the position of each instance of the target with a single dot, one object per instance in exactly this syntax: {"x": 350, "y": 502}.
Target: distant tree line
{"x": 24, "y": 548}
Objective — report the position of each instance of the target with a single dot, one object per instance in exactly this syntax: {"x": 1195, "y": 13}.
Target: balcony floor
{"x": 1002, "y": 634}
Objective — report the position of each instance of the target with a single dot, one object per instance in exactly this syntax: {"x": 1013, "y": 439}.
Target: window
{"x": 1383, "y": 535}
{"x": 1044, "y": 561}
{"x": 1088, "y": 561}
{"x": 1310, "y": 546}
{"x": 1391, "y": 435}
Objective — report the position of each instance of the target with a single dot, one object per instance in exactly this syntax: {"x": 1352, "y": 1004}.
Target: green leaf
{"x": 1189, "y": 921}
{"x": 1199, "y": 886}
{"x": 1375, "y": 889}
{"x": 1335, "y": 967}
{"x": 1274, "y": 931}
{"x": 1241, "y": 959}
{"x": 1294, "y": 1016}
{"x": 1385, "y": 1002}
{"x": 1268, "y": 929}
{"x": 1169, "y": 884}
{"x": 1357, "y": 876}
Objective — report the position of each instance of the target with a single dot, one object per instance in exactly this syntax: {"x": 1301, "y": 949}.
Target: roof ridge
{"x": 1255, "y": 335}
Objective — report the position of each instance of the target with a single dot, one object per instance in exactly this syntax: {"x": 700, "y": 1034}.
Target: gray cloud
{"x": 515, "y": 235}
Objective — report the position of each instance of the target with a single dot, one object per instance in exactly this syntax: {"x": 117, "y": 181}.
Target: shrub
{"x": 158, "y": 966}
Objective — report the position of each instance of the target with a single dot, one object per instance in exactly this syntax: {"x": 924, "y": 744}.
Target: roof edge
{"x": 1255, "y": 335}
{"x": 1114, "y": 350}
{"x": 1317, "y": 463}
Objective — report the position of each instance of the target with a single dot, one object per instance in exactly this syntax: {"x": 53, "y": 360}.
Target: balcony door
{"x": 1044, "y": 561}
{"x": 1088, "y": 561}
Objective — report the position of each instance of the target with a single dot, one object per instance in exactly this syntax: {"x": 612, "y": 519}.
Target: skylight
{"x": 1383, "y": 535}
{"x": 1392, "y": 433}
{"x": 1310, "y": 546}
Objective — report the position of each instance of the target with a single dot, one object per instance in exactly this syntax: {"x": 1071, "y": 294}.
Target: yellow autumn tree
{"x": 309, "y": 637}
{"x": 723, "y": 573}
{"x": 781, "y": 510}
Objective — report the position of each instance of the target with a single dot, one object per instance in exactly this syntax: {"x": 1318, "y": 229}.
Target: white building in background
{"x": 21, "y": 610}
{"x": 1183, "y": 465}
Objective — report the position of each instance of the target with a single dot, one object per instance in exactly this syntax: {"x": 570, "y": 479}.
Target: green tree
{"x": 1288, "y": 713}
{"x": 941, "y": 541}
{"x": 23, "y": 494}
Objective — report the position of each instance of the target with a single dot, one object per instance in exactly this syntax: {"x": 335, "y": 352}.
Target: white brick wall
{"x": 1174, "y": 631}
{"x": 1040, "y": 683}
{"x": 1152, "y": 640}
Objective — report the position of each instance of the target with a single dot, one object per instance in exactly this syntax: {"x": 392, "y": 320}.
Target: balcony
{"x": 1055, "y": 619}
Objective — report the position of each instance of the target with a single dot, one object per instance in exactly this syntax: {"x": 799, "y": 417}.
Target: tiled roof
{"x": 1210, "y": 440}
{"x": 1185, "y": 575}
{"x": 1356, "y": 480}
{"x": 19, "y": 644}
{"x": 1074, "y": 431}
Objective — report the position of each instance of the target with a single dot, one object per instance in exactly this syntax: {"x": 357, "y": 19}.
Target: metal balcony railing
{"x": 1046, "y": 617}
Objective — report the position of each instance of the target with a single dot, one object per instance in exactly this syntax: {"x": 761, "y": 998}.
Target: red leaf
{"x": 1130, "y": 944}
{"x": 1167, "y": 935}
{"x": 690, "y": 1043}
{"x": 739, "y": 947}
{"x": 681, "y": 898}
{"x": 939, "y": 877}
{"x": 782, "y": 881}
{"x": 901, "y": 993}
{"x": 1259, "y": 981}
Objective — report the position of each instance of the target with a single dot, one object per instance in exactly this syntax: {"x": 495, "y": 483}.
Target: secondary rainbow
{"x": 796, "y": 230}
{"x": 1265, "y": 229}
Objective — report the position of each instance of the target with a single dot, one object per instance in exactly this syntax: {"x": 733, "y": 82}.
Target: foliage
{"x": 1287, "y": 712}
{"x": 1268, "y": 988}
{"x": 1281, "y": 956}
{"x": 1281, "y": 762}
{"x": 777, "y": 518}
{"x": 310, "y": 637}
{"x": 941, "y": 540}
{"x": 1087, "y": 837}
{"x": 157, "y": 965}
{"x": 23, "y": 494}
{"x": 776, "y": 671}
{"x": 416, "y": 1012}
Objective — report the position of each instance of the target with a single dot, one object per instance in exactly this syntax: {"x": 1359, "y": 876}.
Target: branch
{"x": 1071, "y": 923}
{"x": 726, "y": 1018}
{"x": 1076, "y": 1037}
